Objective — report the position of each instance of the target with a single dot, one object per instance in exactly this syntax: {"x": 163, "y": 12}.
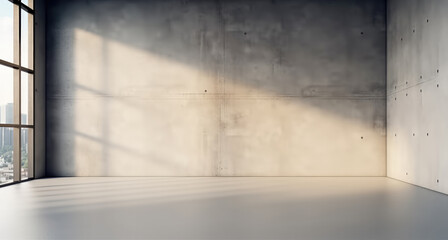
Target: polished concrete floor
{"x": 222, "y": 208}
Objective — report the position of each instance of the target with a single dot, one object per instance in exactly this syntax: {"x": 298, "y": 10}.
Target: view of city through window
{"x": 7, "y": 147}
{"x": 16, "y": 90}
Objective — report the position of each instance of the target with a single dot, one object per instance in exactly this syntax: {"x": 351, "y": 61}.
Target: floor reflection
{"x": 222, "y": 208}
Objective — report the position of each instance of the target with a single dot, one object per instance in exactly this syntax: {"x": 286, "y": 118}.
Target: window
{"x": 16, "y": 90}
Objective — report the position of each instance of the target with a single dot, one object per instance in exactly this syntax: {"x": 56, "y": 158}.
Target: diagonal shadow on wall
{"x": 210, "y": 88}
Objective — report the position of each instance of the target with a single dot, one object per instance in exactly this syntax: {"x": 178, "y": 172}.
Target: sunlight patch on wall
{"x": 138, "y": 113}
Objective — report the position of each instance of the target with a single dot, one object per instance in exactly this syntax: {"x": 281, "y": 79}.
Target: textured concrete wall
{"x": 417, "y": 92}
{"x": 216, "y": 88}
{"x": 39, "y": 120}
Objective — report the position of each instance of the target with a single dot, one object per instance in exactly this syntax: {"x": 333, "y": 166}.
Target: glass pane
{"x": 6, "y": 94}
{"x": 6, "y": 31}
{"x": 29, "y": 3}
{"x": 6, "y": 155}
{"x": 26, "y": 158}
{"x": 27, "y": 98}
{"x": 27, "y": 39}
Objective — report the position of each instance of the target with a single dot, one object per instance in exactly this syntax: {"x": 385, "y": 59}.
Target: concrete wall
{"x": 39, "y": 120}
{"x": 216, "y": 88}
{"x": 417, "y": 92}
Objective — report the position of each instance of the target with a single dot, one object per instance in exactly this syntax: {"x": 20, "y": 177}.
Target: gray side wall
{"x": 216, "y": 88}
{"x": 418, "y": 92}
{"x": 39, "y": 6}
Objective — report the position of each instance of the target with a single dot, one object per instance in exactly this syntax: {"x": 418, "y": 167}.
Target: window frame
{"x": 18, "y": 5}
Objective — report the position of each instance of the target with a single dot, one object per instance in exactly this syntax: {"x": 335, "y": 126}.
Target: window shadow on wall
{"x": 216, "y": 88}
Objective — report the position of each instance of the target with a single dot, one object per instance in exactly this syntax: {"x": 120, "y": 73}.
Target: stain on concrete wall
{"x": 216, "y": 88}
{"x": 417, "y": 90}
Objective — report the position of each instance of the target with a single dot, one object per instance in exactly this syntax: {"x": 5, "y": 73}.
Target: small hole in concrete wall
{"x": 395, "y": 99}
{"x": 437, "y": 180}
{"x": 413, "y": 30}
{"x": 437, "y": 85}
{"x": 395, "y": 87}
{"x": 362, "y": 33}
{"x": 427, "y": 20}
{"x": 406, "y": 94}
{"x": 401, "y": 39}
{"x": 245, "y": 33}
{"x": 205, "y": 90}
{"x": 395, "y": 134}
{"x": 437, "y": 70}
{"x": 406, "y": 82}
{"x": 362, "y": 137}
{"x": 406, "y": 173}
{"x": 413, "y": 134}
{"x": 421, "y": 77}
{"x": 420, "y": 90}
{"x": 427, "y": 134}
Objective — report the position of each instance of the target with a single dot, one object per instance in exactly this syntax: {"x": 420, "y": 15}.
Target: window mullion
{"x": 17, "y": 93}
